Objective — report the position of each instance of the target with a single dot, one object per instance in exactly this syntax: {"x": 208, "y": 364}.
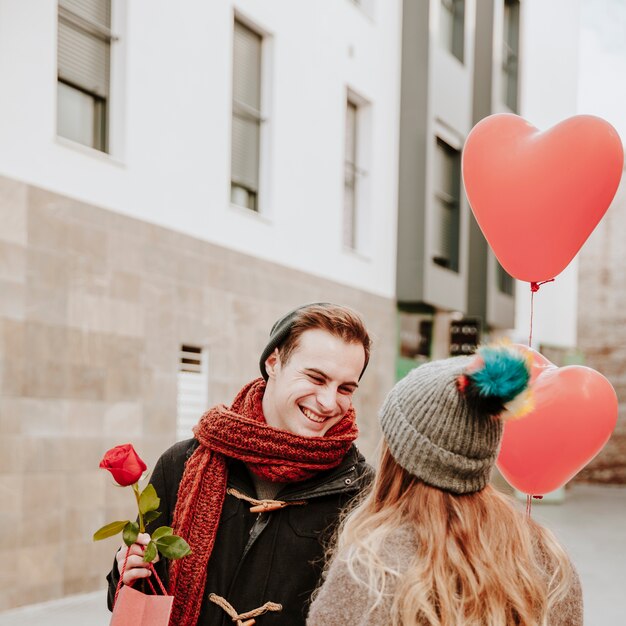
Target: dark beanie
{"x": 280, "y": 331}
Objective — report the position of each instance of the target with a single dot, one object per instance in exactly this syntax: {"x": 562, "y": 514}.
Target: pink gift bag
{"x": 133, "y": 608}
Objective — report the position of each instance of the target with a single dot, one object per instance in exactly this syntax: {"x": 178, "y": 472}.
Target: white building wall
{"x": 550, "y": 38}
{"x": 601, "y": 85}
{"x": 170, "y": 161}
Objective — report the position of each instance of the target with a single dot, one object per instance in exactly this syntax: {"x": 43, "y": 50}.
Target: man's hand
{"x": 135, "y": 565}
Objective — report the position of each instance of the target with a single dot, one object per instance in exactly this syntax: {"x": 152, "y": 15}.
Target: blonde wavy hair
{"x": 478, "y": 560}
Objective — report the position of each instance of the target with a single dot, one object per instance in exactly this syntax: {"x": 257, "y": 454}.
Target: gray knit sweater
{"x": 343, "y": 601}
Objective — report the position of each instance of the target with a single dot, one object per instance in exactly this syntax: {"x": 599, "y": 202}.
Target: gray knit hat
{"x": 441, "y": 422}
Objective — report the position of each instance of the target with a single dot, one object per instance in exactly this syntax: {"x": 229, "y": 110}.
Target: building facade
{"x": 601, "y": 276}
{"x": 461, "y": 62}
{"x": 173, "y": 178}
{"x": 601, "y": 330}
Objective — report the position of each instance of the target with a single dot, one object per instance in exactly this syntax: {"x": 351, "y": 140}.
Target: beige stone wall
{"x": 93, "y": 309}
{"x": 602, "y": 326}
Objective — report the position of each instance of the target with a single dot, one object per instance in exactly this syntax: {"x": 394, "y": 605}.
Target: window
{"x": 416, "y": 333}
{"x": 351, "y": 174}
{"x": 510, "y": 53}
{"x": 356, "y": 157}
{"x": 83, "y": 70}
{"x": 447, "y": 201}
{"x": 247, "y": 118}
{"x": 464, "y": 336}
{"x": 505, "y": 280}
{"x": 452, "y": 26}
{"x": 193, "y": 389}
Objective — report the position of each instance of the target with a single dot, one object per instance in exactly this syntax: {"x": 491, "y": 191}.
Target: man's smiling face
{"x": 313, "y": 390}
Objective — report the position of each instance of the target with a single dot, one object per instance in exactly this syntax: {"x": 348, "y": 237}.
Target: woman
{"x": 432, "y": 543}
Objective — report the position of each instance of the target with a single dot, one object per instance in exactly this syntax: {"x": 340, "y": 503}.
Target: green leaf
{"x": 131, "y": 530}
{"x": 109, "y": 530}
{"x": 150, "y": 552}
{"x": 150, "y": 516}
{"x": 148, "y": 500}
{"x": 162, "y": 531}
{"x": 173, "y": 547}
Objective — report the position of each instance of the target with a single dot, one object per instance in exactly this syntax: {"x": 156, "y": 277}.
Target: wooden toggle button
{"x": 266, "y": 507}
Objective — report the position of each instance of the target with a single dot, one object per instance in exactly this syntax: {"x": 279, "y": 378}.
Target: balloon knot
{"x": 534, "y": 287}
{"x": 538, "y": 497}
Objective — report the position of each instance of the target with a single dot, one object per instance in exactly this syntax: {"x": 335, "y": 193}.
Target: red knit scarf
{"x": 271, "y": 453}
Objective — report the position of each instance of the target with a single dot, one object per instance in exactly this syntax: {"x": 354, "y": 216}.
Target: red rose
{"x": 124, "y": 464}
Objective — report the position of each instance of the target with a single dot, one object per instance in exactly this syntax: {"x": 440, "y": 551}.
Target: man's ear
{"x": 272, "y": 363}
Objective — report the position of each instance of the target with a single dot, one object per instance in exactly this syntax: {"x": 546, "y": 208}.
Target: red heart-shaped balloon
{"x": 536, "y": 195}
{"x": 575, "y": 412}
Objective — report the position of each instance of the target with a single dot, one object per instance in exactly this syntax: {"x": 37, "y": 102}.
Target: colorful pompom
{"x": 498, "y": 379}
{"x": 504, "y": 373}
{"x": 462, "y": 382}
{"x": 521, "y": 405}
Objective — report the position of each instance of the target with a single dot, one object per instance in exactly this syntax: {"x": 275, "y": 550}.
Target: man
{"x": 260, "y": 488}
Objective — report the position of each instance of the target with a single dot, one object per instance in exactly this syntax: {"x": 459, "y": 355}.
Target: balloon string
{"x": 532, "y": 304}
{"x": 529, "y": 500}
{"x": 534, "y": 287}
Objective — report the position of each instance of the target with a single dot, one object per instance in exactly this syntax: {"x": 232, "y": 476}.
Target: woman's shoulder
{"x": 401, "y": 543}
{"x": 345, "y": 597}
{"x": 568, "y": 611}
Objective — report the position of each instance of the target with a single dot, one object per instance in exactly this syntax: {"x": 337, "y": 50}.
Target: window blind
{"x": 246, "y": 123}
{"x": 84, "y": 43}
{"x": 193, "y": 389}
{"x": 350, "y": 177}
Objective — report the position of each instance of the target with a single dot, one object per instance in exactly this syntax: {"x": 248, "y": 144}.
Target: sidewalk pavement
{"x": 591, "y": 523}
{"x": 85, "y": 610}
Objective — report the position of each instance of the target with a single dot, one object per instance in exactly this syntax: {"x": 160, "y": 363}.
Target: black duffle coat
{"x": 262, "y": 557}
